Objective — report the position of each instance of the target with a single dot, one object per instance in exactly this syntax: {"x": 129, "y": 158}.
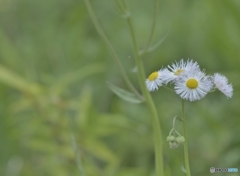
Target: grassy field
{"x": 56, "y": 109}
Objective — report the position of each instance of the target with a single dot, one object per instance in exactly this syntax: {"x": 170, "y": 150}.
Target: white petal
{"x": 204, "y": 85}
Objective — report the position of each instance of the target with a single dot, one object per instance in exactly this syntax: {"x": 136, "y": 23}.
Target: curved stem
{"x": 174, "y": 120}
{"x": 110, "y": 47}
{"x": 186, "y": 159}
{"x": 149, "y": 101}
{"x": 171, "y": 131}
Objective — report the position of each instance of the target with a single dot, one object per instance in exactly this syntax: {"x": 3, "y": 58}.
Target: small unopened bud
{"x": 173, "y": 144}
{"x": 180, "y": 139}
{"x": 170, "y": 138}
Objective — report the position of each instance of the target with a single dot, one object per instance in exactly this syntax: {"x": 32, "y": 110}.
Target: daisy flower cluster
{"x": 190, "y": 82}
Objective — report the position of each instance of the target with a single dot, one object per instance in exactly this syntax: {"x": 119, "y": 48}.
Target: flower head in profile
{"x": 193, "y": 85}
{"x": 155, "y": 80}
{"x": 178, "y": 68}
{"x": 221, "y": 83}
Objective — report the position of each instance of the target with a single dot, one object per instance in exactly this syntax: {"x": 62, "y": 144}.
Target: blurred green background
{"x": 53, "y": 73}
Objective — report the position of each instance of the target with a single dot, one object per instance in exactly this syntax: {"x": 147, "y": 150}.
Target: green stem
{"x": 110, "y": 47}
{"x": 149, "y": 102}
{"x": 186, "y": 158}
{"x": 174, "y": 120}
{"x": 156, "y": 4}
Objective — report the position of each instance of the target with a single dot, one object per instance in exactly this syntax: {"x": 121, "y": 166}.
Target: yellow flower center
{"x": 153, "y": 76}
{"x": 178, "y": 72}
{"x": 192, "y": 83}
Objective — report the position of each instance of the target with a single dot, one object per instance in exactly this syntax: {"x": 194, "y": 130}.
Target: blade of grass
{"x": 11, "y": 79}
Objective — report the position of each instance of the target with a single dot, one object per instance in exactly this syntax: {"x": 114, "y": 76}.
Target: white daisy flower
{"x": 221, "y": 82}
{"x": 193, "y": 85}
{"x": 155, "y": 80}
{"x": 180, "y": 67}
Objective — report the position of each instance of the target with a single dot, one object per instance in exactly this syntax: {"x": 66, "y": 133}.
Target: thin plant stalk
{"x": 149, "y": 101}
{"x": 75, "y": 148}
{"x": 141, "y": 76}
{"x": 110, "y": 47}
{"x": 185, "y": 145}
{"x": 156, "y": 6}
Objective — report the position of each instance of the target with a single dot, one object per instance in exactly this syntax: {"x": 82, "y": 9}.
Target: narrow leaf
{"x": 125, "y": 95}
{"x": 13, "y": 80}
{"x": 158, "y": 43}
{"x": 181, "y": 164}
{"x": 152, "y": 48}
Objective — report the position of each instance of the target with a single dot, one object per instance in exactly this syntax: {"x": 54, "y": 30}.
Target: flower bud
{"x": 180, "y": 139}
{"x": 170, "y": 138}
{"x": 173, "y": 144}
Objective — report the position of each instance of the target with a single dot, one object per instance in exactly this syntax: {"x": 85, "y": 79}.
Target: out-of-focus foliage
{"x": 53, "y": 74}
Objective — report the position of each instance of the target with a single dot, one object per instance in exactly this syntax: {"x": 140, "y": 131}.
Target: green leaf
{"x": 13, "y": 80}
{"x": 152, "y": 48}
{"x": 183, "y": 168}
{"x": 125, "y": 95}
{"x": 181, "y": 164}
